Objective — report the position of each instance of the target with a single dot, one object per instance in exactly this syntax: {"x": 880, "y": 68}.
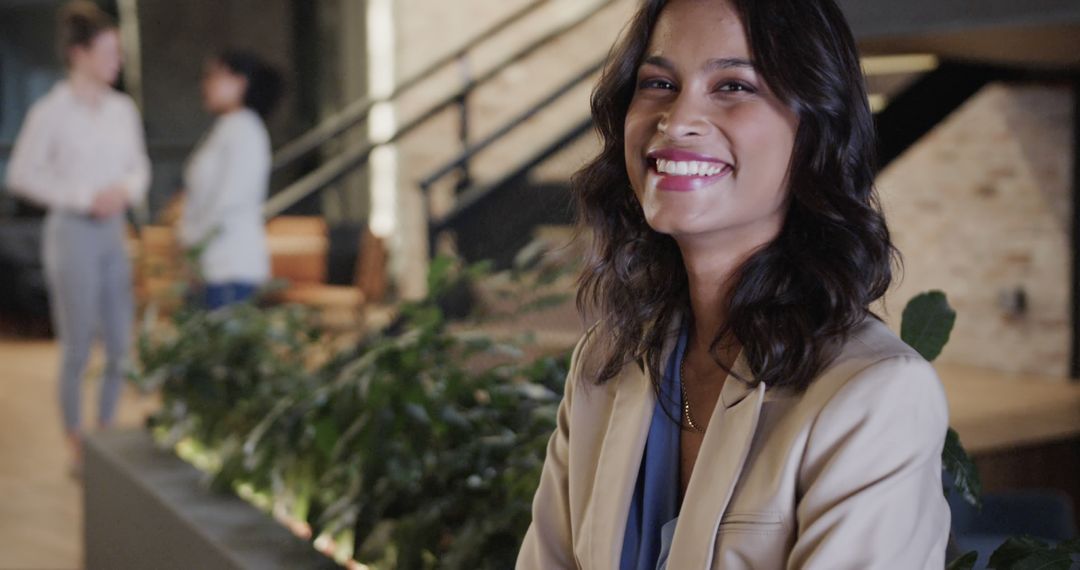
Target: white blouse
{"x": 227, "y": 179}
{"x": 69, "y": 149}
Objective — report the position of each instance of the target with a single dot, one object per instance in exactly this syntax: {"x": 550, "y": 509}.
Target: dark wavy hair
{"x": 79, "y": 23}
{"x": 794, "y": 301}
{"x": 265, "y": 85}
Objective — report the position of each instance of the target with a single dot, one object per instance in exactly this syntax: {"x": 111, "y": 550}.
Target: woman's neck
{"x": 709, "y": 282}
{"x": 86, "y": 88}
{"x": 231, "y": 109}
{"x": 711, "y": 267}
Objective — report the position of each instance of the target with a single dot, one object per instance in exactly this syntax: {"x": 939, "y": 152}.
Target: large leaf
{"x": 965, "y": 477}
{"x": 1026, "y": 553}
{"x": 965, "y": 562}
{"x": 927, "y": 322}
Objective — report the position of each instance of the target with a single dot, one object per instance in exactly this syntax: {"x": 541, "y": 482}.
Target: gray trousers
{"x": 89, "y": 280}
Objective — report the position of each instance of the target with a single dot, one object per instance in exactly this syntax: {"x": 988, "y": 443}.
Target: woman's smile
{"x": 675, "y": 170}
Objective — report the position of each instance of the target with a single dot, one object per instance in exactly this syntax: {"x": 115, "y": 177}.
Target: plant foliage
{"x": 421, "y": 448}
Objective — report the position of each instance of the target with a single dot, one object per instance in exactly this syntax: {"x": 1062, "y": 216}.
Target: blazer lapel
{"x": 619, "y": 463}
{"x": 616, "y": 473}
{"x": 719, "y": 464}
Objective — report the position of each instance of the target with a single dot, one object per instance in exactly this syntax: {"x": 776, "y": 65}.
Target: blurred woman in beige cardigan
{"x": 81, "y": 154}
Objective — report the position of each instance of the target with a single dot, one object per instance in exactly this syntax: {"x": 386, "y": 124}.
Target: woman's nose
{"x": 684, "y": 118}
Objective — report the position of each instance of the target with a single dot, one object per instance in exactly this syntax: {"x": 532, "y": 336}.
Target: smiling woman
{"x": 738, "y": 405}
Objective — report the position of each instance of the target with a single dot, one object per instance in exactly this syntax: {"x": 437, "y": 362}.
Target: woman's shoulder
{"x": 56, "y": 98}
{"x": 244, "y": 126}
{"x": 873, "y": 341}
{"x": 874, "y": 367}
{"x": 589, "y": 356}
{"x": 586, "y": 354}
{"x": 122, "y": 102}
{"x": 593, "y": 355}
{"x": 244, "y": 119}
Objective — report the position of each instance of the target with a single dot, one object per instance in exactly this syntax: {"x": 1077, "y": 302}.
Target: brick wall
{"x": 980, "y": 207}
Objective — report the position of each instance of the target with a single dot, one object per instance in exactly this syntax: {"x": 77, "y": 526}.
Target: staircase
{"x": 510, "y": 114}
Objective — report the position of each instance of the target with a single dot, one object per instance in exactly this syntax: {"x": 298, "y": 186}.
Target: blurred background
{"x": 416, "y": 127}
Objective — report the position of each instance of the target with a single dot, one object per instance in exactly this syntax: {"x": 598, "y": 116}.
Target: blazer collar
{"x": 723, "y": 453}
{"x": 734, "y": 389}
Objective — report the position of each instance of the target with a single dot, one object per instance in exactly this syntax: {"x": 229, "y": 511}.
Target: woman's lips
{"x": 674, "y": 182}
{"x": 685, "y": 171}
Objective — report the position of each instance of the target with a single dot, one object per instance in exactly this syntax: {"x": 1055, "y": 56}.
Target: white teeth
{"x": 688, "y": 168}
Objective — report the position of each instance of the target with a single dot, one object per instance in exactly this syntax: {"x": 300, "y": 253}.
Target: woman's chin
{"x": 670, "y": 222}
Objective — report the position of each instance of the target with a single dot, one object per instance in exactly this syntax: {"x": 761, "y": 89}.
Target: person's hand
{"x": 109, "y": 202}
{"x": 174, "y": 210}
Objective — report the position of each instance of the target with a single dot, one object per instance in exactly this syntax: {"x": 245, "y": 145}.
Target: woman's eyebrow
{"x": 711, "y": 65}
{"x": 659, "y": 61}
{"x": 728, "y": 63}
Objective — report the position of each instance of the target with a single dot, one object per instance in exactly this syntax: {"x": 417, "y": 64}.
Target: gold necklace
{"x": 686, "y": 401}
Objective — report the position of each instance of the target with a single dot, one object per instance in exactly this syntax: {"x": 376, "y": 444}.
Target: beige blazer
{"x": 845, "y": 475}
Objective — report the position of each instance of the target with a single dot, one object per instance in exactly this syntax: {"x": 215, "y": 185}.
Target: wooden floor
{"x": 40, "y": 504}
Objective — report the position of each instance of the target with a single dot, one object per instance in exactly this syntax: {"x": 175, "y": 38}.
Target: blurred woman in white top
{"x": 227, "y": 178}
{"x": 81, "y": 155}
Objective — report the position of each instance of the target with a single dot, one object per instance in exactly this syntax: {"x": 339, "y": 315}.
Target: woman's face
{"x": 707, "y": 143}
{"x": 222, "y": 90}
{"x": 101, "y": 60}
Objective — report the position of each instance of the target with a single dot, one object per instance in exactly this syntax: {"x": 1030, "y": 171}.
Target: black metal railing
{"x": 476, "y": 148}
{"x": 356, "y": 112}
{"x": 355, "y": 156}
{"x": 471, "y": 198}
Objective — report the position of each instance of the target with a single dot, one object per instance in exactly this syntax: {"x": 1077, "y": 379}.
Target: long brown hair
{"x": 80, "y": 22}
{"x": 797, "y": 298}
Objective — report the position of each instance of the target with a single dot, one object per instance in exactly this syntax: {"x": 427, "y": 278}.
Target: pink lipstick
{"x": 685, "y": 171}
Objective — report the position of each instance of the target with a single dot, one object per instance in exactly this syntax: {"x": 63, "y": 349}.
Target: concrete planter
{"x": 146, "y": 508}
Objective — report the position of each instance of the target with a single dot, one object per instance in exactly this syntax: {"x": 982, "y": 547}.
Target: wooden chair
{"x": 298, "y": 256}
{"x": 342, "y": 306}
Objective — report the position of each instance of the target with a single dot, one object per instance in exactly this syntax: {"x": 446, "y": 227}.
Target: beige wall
{"x": 980, "y": 206}
{"x": 345, "y": 73}
{"x": 426, "y": 30}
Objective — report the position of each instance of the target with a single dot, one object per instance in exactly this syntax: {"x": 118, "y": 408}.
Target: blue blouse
{"x": 654, "y": 508}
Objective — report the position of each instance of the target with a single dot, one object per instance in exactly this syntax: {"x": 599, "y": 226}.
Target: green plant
{"x": 1026, "y": 553}
{"x": 926, "y": 324}
{"x": 421, "y": 447}
{"x": 220, "y": 372}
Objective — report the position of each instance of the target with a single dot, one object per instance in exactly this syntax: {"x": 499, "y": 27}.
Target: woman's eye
{"x": 735, "y": 87}
{"x": 656, "y": 84}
